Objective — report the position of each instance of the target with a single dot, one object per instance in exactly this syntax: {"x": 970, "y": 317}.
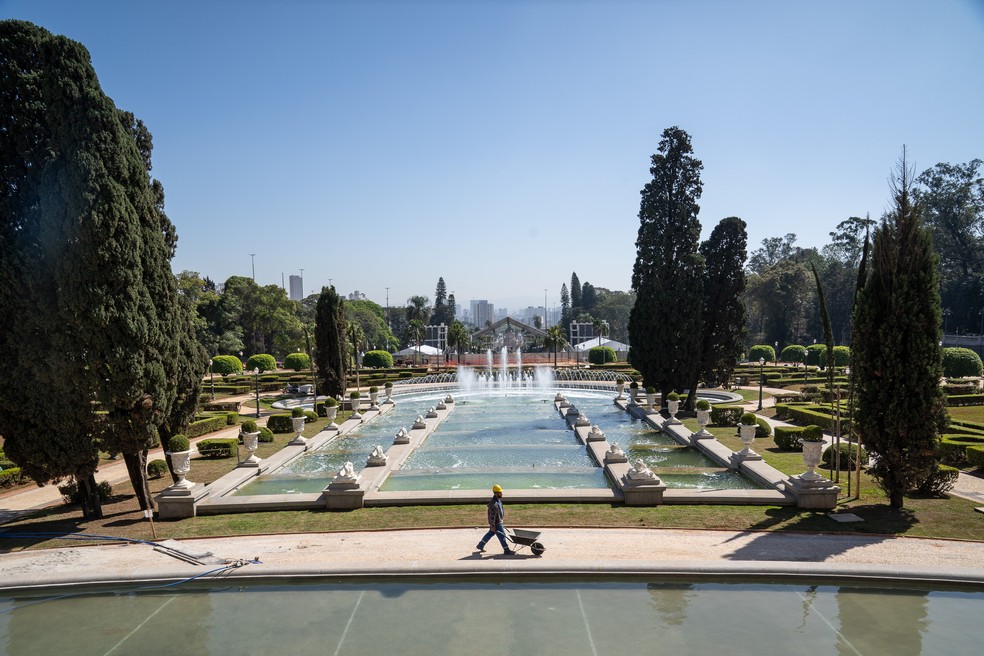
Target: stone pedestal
{"x": 643, "y": 494}
{"x": 703, "y": 418}
{"x": 377, "y": 458}
{"x": 344, "y": 498}
{"x": 747, "y": 434}
{"x": 250, "y": 442}
{"x": 813, "y": 493}
{"x": 180, "y": 502}
{"x": 673, "y": 407}
{"x": 402, "y": 437}
{"x": 331, "y": 412}
{"x": 298, "y": 440}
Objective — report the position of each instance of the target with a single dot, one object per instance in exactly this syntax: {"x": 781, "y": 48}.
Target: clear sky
{"x": 503, "y": 145}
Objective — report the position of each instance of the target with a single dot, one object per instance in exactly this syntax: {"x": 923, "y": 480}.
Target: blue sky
{"x": 502, "y": 145}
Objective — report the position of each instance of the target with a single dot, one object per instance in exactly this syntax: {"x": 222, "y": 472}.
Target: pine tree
{"x": 896, "y": 358}
{"x": 440, "y": 305}
{"x": 665, "y": 322}
{"x": 565, "y": 310}
{"x": 329, "y": 342}
{"x": 576, "y": 300}
{"x": 723, "y": 314}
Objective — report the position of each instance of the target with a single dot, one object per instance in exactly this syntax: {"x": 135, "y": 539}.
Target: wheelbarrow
{"x": 522, "y": 539}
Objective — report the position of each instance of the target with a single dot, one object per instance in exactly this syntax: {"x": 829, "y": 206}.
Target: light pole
{"x": 761, "y": 379}
{"x": 252, "y": 262}
{"x": 777, "y": 352}
{"x": 211, "y": 375}
{"x": 946, "y": 320}
{"x": 256, "y": 372}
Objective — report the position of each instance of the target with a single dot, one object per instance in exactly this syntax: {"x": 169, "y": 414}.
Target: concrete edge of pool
{"x": 449, "y": 553}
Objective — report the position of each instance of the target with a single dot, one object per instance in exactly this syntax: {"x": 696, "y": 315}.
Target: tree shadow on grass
{"x": 814, "y": 537}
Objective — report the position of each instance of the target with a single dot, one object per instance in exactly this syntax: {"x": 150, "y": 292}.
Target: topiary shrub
{"x": 266, "y": 435}
{"x": 726, "y": 415}
{"x": 787, "y": 438}
{"x": 747, "y": 419}
{"x": 975, "y": 456}
{"x": 217, "y": 447}
{"x": 672, "y": 396}
{"x": 848, "y": 453}
{"x": 760, "y": 351}
{"x": 226, "y": 365}
{"x": 961, "y": 362}
{"x": 762, "y": 427}
{"x": 297, "y": 412}
{"x": 280, "y": 423}
{"x": 793, "y": 353}
{"x": 310, "y": 416}
{"x": 179, "y": 443}
{"x": 297, "y": 361}
{"x": 261, "y": 361}
{"x": 232, "y": 418}
{"x": 601, "y": 354}
{"x": 702, "y": 404}
{"x": 249, "y": 426}
{"x": 814, "y": 352}
{"x": 940, "y": 481}
{"x": 377, "y": 360}
{"x": 156, "y": 468}
{"x": 842, "y": 356}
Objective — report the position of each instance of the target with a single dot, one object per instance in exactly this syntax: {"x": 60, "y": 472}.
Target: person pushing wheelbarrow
{"x": 496, "y": 527}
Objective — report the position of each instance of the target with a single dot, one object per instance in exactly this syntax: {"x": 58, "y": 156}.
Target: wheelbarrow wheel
{"x": 537, "y": 548}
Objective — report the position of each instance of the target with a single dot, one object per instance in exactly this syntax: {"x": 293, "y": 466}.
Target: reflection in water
{"x": 515, "y": 617}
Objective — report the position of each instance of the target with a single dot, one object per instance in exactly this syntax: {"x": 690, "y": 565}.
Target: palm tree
{"x": 555, "y": 339}
{"x": 417, "y": 334}
{"x": 601, "y": 328}
{"x": 458, "y": 337}
{"x": 417, "y": 309}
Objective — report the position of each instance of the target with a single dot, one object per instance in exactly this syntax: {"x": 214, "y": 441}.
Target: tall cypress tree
{"x": 896, "y": 359}
{"x": 88, "y": 292}
{"x": 723, "y": 314}
{"x": 576, "y": 301}
{"x": 329, "y": 342}
{"x": 565, "y": 310}
{"x": 665, "y": 322}
{"x": 440, "y": 305}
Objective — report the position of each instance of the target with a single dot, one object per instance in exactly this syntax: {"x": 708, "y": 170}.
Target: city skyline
{"x": 502, "y": 145}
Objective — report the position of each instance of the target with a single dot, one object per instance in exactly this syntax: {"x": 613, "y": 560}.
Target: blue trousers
{"x": 499, "y": 532}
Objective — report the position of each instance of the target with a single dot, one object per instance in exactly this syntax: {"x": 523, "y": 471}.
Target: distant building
{"x": 296, "y": 288}
{"x": 581, "y": 332}
{"x": 482, "y": 312}
{"x": 501, "y": 313}
{"x": 436, "y": 336}
{"x": 357, "y": 296}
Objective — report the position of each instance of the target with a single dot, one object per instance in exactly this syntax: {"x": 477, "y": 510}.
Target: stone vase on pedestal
{"x": 673, "y": 407}
{"x": 812, "y": 454}
{"x": 251, "y": 442}
{"x": 298, "y": 429}
{"x": 703, "y": 419}
{"x": 620, "y": 388}
{"x": 651, "y": 403}
{"x": 747, "y": 435}
{"x": 331, "y": 412}
{"x": 181, "y": 461}
{"x": 373, "y": 399}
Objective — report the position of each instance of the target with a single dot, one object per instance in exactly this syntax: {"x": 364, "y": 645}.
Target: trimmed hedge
{"x": 848, "y": 453}
{"x": 820, "y": 415}
{"x": 959, "y": 362}
{"x": 762, "y": 427}
{"x": 266, "y": 435}
{"x": 760, "y": 351}
{"x": 223, "y": 406}
{"x": 156, "y": 468}
{"x": 601, "y": 354}
{"x": 814, "y": 353}
{"x": 965, "y": 399}
{"x": 11, "y": 476}
{"x": 297, "y": 361}
{"x": 953, "y": 448}
{"x": 975, "y": 456}
{"x": 842, "y": 356}
{"x": 218, "y": 447}
{"x": 787, "y": 437}
{"x": 205, "y": 426}
{"x": 939, "y": 482}
{"x": 377, "y": 359}
{"x": 726, "y": 415}
{"x": 793, "y": 353}
{"x": 261, "y": 361}
{"x": 280, "y": 424}
{"x": 226, "y": 365}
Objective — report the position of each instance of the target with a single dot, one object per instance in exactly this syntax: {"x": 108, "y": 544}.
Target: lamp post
{"x": 256, "y": 372}
{"x": 211, "y": 375}
{"x": 777, "y": 351}
{"x": 946, "y": 320}
{"x": 761, "y": 379}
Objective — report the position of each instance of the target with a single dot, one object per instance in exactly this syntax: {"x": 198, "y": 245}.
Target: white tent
{"x": 424, "y": 349}
{"x": 611, "y": 343}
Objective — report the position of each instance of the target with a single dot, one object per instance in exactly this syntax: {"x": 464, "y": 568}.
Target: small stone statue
{"x": 640, "y": 472}
{"x": 377, "y": 458}
{"x": 448, "y": 399}
{"x": 419, "y": 422}
{"x": 595, "y": 434}
{"x": 346, "y": 474}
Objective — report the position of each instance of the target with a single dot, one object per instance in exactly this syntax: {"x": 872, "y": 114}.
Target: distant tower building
{"x": 482, "y": 312}
{"x": 357, "y": 296}
{"x": 296, "y": 288}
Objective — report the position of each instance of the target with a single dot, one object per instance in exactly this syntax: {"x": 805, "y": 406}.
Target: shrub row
{"x": 953, "y": 447}
{"x": 11, "y": 476}
{"x": 961, "y": 362}
{"x": 953, "y": 389}
{"x": 280, "y": 424}
{"x": 848, "y": 453}
{"x": 965, "y": 399}
{"x": 205, "y": 426}
{"x": 787, "y": 438}
{"x": 726, "y": 415}
{"x": 223, "y": 406}
{"x": 940, "y": 482}
{"x": 820, "y": 415}
{"x": 975, "y": 456}
{"x": 217, "y": 447}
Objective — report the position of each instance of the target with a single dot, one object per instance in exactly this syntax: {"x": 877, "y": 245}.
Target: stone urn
{"x": 747, "y": 435}
{"x": 181, "y": 461}
{"x": 651, "y": 402}
{"x": 703, "y": 419}
{"x": 298, "y": 429}
{"x": 673, "y": 406}
{"x": 250, "y": 442}
{"x": 373, "y": 398}
{"x": 633, "y": 393}
{"x": 620, "y": 388}
{"x": 331, "y": 412}
{"x": 389, "y": 394}
{"x": 812, "y": 454}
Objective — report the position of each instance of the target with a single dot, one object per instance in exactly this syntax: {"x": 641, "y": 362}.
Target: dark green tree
{"x": 897, "y": 361}
{"x": 565, "y": 311}
{"x": 589, "y": 297}
{"x": 665, "y": 323}
{"x": 329, "y": 343}
{"x": 723, "y": 312}
{"x": 576, "y": 297}
{"x": 440, "y": 314}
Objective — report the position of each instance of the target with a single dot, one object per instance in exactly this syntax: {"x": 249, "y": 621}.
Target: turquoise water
{"x": 520, "y": 617}
{"x": 482, "y": 479}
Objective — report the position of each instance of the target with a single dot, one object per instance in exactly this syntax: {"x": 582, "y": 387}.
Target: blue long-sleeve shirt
{"x": 496, "y": 513}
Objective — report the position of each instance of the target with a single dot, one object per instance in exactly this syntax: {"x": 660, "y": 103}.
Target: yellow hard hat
{"x": 497, "y": 488}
